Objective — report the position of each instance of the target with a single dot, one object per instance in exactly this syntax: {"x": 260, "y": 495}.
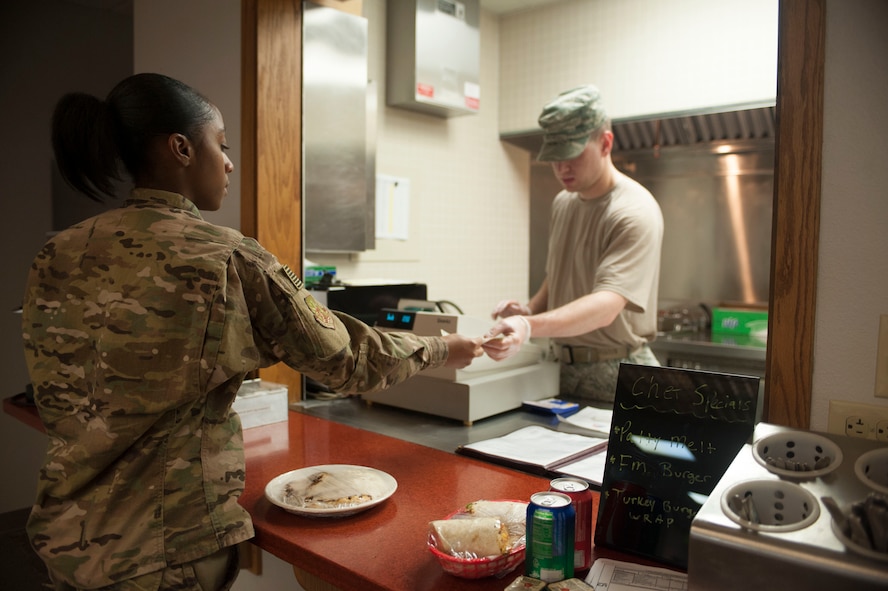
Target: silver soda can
{"x": 550, "y": 523}
{"x": 581, "y": 497}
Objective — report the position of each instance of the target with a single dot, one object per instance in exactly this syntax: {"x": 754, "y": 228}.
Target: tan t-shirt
{"x": 611, "y": 243}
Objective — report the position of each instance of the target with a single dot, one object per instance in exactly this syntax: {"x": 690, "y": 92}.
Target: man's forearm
{"x": 581, "y": 316}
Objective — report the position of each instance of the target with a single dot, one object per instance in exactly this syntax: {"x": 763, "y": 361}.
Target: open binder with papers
{"x": 544, "y": 451}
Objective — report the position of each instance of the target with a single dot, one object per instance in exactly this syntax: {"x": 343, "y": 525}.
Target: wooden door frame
{"x": 271, "y": 95}
{"x": 796, "y": 218}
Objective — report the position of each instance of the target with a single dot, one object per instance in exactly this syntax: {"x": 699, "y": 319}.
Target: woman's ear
{"x": 180, "y": 147}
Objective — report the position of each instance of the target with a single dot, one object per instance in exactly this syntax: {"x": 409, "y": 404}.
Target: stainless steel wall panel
{"x": 334, "y": 130}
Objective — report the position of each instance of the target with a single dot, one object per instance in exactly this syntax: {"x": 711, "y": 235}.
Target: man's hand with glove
{"x": 510, "y": 308}
{"x": 506, "y": 337}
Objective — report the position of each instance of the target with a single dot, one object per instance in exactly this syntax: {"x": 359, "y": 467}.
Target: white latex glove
{"x": 506, "y": 337}
{"x": 508, "y": 308}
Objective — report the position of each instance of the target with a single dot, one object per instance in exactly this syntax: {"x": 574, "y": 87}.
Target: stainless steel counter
{"x": 737, "y": 354}
{"x": 796, "y": 551}
{"x": 739, "y": 347}
{"x": 424, "y": 429}
{"x": 734, "y": 354}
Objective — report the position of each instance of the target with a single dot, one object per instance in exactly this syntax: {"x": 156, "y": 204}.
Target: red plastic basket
{"x": 477, "y": 568}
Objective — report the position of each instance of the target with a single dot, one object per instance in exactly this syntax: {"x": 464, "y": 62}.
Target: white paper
{"x": 536, "y": 445}
{"x": 392, "y": 207}
{"x": 590, "y": 468}
{"x": 616, "y": 575}
{"x": 591, "y": 418}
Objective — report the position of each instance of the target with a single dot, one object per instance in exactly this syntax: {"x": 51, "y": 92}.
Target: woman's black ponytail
{"x": 83, "y": 140}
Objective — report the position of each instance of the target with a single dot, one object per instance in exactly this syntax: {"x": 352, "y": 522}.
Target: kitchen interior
{"x": 681, "y": 152}
{"x": 710, "y": 168}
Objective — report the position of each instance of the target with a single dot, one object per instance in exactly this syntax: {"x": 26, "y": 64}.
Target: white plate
{"x": 376, "y": 483}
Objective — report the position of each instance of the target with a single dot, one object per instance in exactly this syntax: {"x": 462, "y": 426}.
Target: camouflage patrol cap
{"x": 568, "y": 121}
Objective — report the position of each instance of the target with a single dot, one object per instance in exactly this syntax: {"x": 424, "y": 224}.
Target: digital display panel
{"x": 396, "y": 319}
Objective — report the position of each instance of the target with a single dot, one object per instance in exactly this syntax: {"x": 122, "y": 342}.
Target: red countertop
{"x": 385, "y": 546}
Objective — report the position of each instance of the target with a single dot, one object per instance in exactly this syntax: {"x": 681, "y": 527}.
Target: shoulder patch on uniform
{"x": 292, "y": 277}
{"x": 321, "y": 314}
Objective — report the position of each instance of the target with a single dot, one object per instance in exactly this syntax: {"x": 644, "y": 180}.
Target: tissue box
{"x": 260, "y": 403}
{"x": 739, "y": 321}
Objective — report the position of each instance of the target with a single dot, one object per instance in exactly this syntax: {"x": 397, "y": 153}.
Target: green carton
{"x": 314, "y": 273}
{"x": 739, "y": 321}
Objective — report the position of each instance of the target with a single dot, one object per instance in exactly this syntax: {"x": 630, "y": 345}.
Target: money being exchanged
{"x": 484, "y": 339}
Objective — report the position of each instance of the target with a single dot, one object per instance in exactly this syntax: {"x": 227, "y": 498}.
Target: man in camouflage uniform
{"x": 139, "y": 326}
{"x": 598, "y": 301}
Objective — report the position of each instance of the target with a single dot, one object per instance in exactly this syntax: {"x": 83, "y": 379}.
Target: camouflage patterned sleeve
{"x": 339, "y": 351}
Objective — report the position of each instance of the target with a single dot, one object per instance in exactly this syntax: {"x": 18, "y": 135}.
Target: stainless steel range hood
{"x": 699, "y": 129}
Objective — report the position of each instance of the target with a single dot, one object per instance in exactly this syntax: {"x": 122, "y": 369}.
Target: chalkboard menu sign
{"x": 674, "y": 433}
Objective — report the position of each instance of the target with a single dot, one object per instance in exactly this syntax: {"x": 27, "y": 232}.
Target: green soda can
{"x": 549, "y": 553}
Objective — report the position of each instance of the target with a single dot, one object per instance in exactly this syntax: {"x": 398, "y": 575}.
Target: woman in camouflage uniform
{"x": 140, "y": 325}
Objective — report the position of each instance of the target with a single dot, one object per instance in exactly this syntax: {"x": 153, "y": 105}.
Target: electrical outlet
{"x": 855, "y": 419}
{"x": 857, "y": 426}
{"x": 881, "y": 431}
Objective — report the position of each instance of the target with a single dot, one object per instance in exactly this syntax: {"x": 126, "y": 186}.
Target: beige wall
{"x": 200, "y": 45}
{"x": 852, "y": 282}
{"x": 646, "y": 56}
{"x": 48, "y": 48}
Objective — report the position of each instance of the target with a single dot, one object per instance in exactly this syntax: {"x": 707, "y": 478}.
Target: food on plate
{"x": 324, "y": 490}
{"x": 470, "y": 538}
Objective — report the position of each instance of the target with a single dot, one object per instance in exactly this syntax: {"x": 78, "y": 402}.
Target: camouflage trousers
{"x": 597, "y": 382}
{"x": 216, "y": 572}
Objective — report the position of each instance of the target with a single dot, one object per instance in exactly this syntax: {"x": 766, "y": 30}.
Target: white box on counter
{"x": 260, "y": 402}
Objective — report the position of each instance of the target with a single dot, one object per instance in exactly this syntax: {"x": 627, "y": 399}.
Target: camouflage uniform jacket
{"x": 139, "y": 327}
